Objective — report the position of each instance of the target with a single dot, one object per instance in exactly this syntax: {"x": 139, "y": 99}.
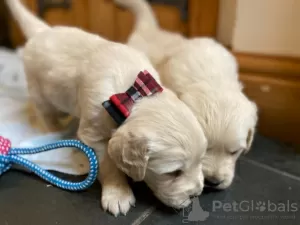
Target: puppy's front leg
{"x": 117, "y": 196}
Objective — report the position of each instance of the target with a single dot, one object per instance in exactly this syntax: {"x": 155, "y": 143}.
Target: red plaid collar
{"x": 119, "y": 105}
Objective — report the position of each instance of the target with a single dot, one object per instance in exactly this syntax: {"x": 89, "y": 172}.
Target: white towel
{"x": 15, "y": 125}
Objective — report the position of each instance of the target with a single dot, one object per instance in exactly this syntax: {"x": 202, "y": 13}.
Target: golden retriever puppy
{"x": 72, "y": 72}
{"x": 204, "y": 75}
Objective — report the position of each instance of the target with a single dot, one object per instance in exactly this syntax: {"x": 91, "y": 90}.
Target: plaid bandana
{"x": 119, "y": 105}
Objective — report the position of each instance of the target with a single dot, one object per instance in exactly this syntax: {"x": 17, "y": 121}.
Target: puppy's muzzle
{"x": 212, "y": 182}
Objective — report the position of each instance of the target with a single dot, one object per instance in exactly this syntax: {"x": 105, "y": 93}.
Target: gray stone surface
{"x": 265, "y": 191}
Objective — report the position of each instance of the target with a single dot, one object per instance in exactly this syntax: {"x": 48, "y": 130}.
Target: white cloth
{"x": 15, "y": 126}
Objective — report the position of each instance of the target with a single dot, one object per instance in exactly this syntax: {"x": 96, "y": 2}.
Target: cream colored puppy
{"x": 205, "y": 77}
{"x": 70, "y": 71}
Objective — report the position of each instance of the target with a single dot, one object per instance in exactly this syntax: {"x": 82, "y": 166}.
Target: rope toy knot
{"x": 5, "y": 163}
{"x": 10, "y": 156}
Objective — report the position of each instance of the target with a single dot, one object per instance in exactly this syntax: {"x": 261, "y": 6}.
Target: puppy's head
{"x": 162, "y": 143}
{"x": 228, "y": 119}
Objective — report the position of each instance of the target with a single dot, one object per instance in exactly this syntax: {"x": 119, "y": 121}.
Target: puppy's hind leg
{"x": 48, "y": 116}
{"x": 43, "y": 114}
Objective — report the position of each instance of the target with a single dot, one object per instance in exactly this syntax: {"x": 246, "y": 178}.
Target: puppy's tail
{"x": 142, "y": 11}
{"x": 30, "y": 24}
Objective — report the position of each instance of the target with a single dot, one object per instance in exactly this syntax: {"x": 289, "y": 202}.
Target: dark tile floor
{"x": 266, "y": 191}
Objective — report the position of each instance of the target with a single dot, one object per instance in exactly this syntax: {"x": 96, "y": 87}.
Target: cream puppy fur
{"x": 205, "y": 77}
{"x": 71, "y": 72}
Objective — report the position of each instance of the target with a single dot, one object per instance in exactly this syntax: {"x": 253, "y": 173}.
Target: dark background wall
{"x": 4, "y": 35}
{"x": 182, "y": 5}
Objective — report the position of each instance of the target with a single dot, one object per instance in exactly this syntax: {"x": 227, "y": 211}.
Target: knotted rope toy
{"x": 10, "y": 156}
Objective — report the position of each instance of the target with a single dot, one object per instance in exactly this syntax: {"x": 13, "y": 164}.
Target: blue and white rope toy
{"x": 9, "y": 156}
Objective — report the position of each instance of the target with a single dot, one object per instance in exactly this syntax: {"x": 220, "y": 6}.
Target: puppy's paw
{"x": 117, "y": 199}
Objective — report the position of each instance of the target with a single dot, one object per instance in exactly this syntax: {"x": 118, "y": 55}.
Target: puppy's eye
{"x": 175, "y": 173}
{"x": 236, "y": 152}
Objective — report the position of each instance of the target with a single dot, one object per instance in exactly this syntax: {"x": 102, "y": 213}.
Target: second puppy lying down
{"x": 70, "y": 71}
{"x": 204, "y": 76}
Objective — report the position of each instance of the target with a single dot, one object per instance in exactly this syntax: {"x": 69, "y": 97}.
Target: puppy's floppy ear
{"x": 249, "y": 140}
{"x": 251, "y": 131}
{"x": 129, "y": 154}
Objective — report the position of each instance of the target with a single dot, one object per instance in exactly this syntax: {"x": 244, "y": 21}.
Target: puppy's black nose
{"x": 212, "y": 182}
